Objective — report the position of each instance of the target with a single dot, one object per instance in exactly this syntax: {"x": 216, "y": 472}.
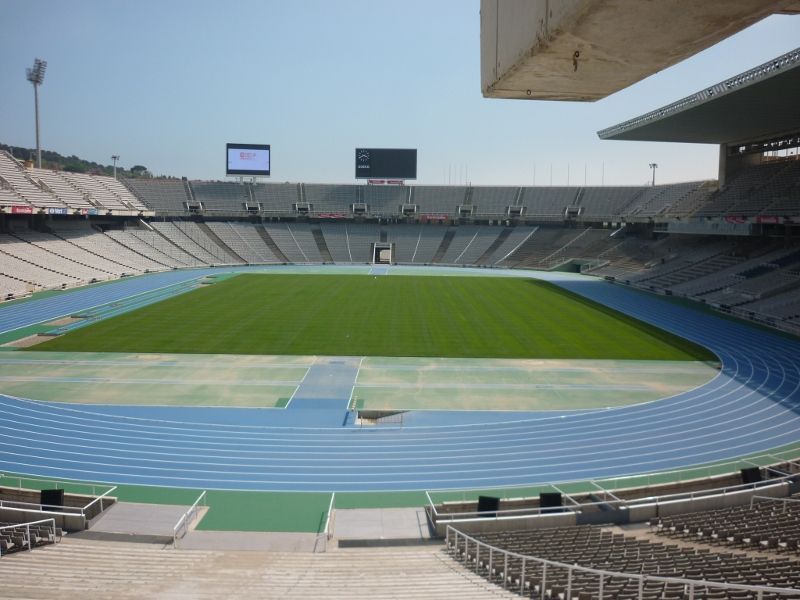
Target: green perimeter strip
{"x": 306, "y": 511}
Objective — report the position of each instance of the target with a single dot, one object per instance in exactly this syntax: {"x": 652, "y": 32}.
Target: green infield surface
{"x": 360, "y": 315}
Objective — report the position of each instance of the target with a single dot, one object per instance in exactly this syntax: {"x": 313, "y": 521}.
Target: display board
{"x": 247, "y": 159}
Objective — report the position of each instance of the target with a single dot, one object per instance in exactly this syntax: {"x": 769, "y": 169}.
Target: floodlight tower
{"x": 115, "y": 158}
{"x": 654, "y": 166}
{"x": 36, "y": 77}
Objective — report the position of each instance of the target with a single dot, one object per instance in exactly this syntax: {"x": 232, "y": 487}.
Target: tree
{"x": 140, "y": 171}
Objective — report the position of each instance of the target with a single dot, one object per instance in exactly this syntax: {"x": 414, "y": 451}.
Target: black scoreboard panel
{"x": 386, "y": 163}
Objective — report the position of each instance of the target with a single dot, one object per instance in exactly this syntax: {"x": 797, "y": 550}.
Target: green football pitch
{"x": 359, "y": 315}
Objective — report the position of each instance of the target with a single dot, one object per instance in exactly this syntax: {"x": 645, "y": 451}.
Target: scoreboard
{"x": 386, "y": 163}
{"x": 247, "y": 159}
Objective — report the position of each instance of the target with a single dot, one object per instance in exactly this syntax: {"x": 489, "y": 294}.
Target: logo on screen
{"x": 247, "y": 155}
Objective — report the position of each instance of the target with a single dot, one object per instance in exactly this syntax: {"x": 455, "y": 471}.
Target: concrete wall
{"x": 10, "y": 494}
{"x": 488, "y": 525}
{"x": 66, "y": 521}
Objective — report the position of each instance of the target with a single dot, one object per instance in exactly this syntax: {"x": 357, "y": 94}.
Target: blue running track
{"x": 753, "y": 405}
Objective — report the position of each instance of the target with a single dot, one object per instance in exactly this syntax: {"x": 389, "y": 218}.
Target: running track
{"x": 753, "y": 405}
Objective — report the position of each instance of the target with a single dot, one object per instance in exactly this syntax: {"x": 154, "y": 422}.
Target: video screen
{"x": 386, "y": 163}
{"x": 247, "y": 159}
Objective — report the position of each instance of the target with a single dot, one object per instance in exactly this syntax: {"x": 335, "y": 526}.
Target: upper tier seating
{"x": 60, "y": 186}
{"x": 19, "y": 188}
{"x": 162, "y": 195}
{"x": 222, "y": 197}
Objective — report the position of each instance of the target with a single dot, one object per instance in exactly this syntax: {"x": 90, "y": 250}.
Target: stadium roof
{"x": 588, "y": 49}
{"x": 756, "y": 104}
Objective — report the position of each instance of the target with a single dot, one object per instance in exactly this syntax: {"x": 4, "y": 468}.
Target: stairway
{"x": 446, "y": 240}
{"x": 235, "y": 258}
{"x": 90, "y": 570}
{"x": 271, "y": 243}
{"x": 484, "y": 258}
{"x": 322, "y": 245}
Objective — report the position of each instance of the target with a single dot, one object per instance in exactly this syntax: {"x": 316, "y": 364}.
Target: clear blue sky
{"x": 166, "y": 84}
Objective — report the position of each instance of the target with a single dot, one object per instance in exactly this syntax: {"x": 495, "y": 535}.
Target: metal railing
{"x": 327, "y": 530}
{"x": 784, "y": 501}
{"x": 498, "y": 561}
{"x": 28, "y": 538}
{"x": 650, "y": 479}
{"x": 633, "y": 502}
{"x": 76, "y": 510}
{"x": 182, "y": 526}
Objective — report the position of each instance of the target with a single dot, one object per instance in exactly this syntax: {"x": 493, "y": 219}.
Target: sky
{"x": 166, "y": 84}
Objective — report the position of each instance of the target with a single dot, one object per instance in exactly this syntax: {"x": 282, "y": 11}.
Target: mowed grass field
{"x": 359, "y": 315}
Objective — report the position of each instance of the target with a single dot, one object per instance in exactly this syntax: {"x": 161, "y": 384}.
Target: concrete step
{"x": 91, "y": 569}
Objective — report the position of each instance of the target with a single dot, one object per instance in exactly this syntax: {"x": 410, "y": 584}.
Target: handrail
{"x": 641, "y": 578}
{"x": 186, "y": 519}
{"x": 17, "y": 504}
{"x": 27, "y": 526}
{"x": 651, "y": 474}
{"x": 620, "y": 503}
{"x": 72, "y": 509}
{"x": 100, "y": 499}
{"x": 648, "y": 483}
{"x": 325, "y": 534}
{"x": 328, "y": 518}
{"x": 783, "y": 501}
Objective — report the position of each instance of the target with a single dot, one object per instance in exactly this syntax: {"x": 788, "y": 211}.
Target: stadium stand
{"x": 189, "y": 240}
{"x": 276, "y": 197}
{"x": 21, "y": 189}
{"x": 202, "y": 236}
{"x": 83, "y": 236}
{"x": 22, "y": 270}
{"x": 25, "y": 536}
{"x": 661, "y": 199}
{"x": 443, "y": 200}
{"x": 27, "y": 247}
{"x": 326, "y": 198}
{"x": 513, "y": 239}
{"x": 295, "y": 240}
{"x": 756, "y": 189}
{"x": 385, "y": 200}
{"x": 607, "y": 202}
{"x": 167, "y": 196}
{"x": 551, "y": 246}
{"x": 153, "y": 246}
{"x": 768, "y": 525}
{"x": 606, "y": 231}
{"x": 350, "y": 242}
{"x": 62, "y": 188}
{"x": 548, "y": 203}
{"x": 494, "y": 201}
{"x": 96, "y": 188}
{"x": 611, "y": 551}
{"x": 60, "y": 247}
{"x": 219, "y": 197}
{"x": 244, "y": 240}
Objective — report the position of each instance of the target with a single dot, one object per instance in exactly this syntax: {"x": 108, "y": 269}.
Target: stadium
{"x": 397, "y": 389}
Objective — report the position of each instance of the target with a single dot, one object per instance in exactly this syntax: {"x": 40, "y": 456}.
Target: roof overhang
{"x": 757, "y": 104}
{"x": 588, "y": 49}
